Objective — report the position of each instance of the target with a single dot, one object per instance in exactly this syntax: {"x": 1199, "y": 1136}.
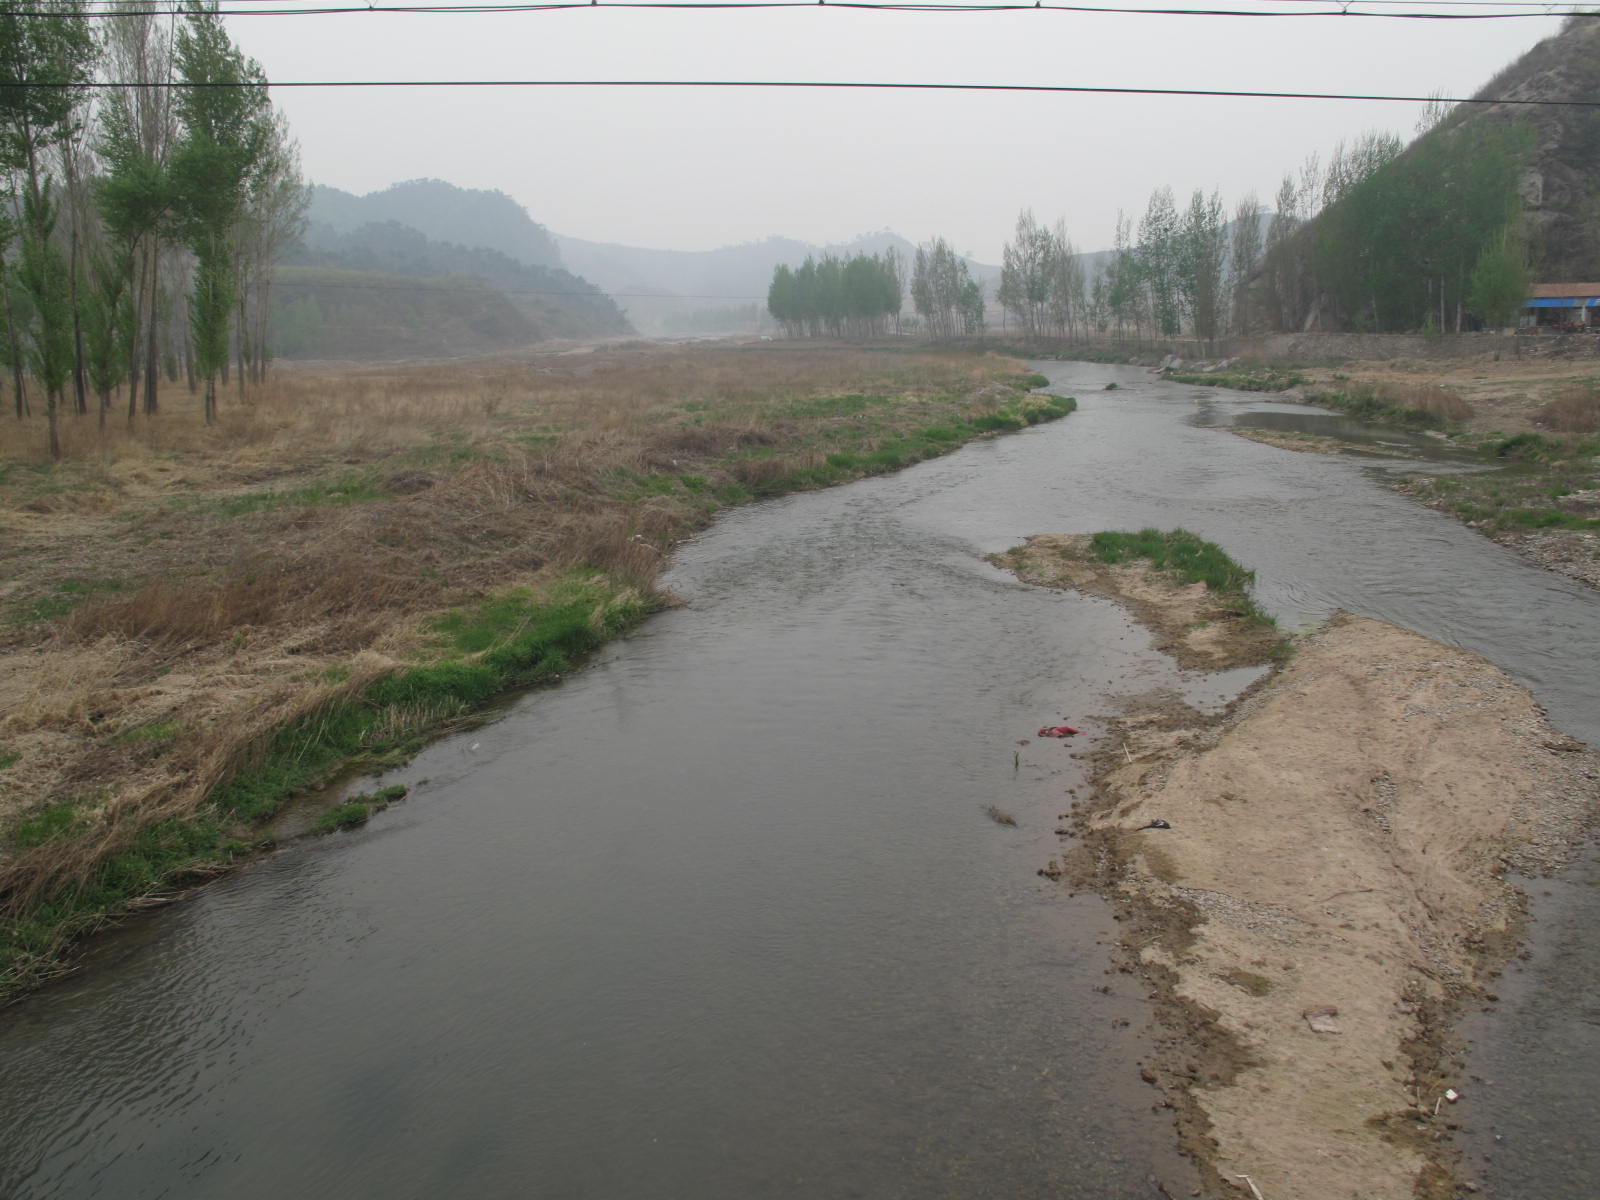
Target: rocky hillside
{"x": 1561, "y": 194}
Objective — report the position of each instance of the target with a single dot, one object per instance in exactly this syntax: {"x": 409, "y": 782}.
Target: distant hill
{"x": 322, "y": 313}
{"x": 443, "y": 212}
{"x": 556, "y": 302}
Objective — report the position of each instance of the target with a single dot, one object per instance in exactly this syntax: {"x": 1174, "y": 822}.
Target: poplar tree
{"x": 1157, "y": 254}
{"x": 225, "y": 123}
{"x": 1201, "y": 260}
{"x": 1244, "y": 258}
{"x": 46, "y": 59}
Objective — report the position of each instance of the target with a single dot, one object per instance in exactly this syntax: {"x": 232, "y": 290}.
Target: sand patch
{"x": 1335, "y": 860}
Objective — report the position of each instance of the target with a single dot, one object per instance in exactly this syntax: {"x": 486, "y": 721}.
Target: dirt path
{"x": 1329, "y": 892}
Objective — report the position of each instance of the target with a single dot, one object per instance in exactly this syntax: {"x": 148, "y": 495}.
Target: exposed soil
{"x": 1188, "y": 621}
{"x": 1335, "y": 860}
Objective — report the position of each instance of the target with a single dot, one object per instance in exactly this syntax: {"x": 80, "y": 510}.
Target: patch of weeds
{"x": 67, "y": 595}
{"x": 347, "y": 489}
{"x": 835, "y": 406}
{"x": 149, "y": 732}
{"x": 1112, "y": 386}
{"x": 1264, "y": 379}
{"x": 153, "y": 859}
{"x": 1188, "y": 556}
{"x": 1418, "y": 406}
{"x": 47, "y": 825}
{"x": 343, "y": 816}
{"x": 9, "y": 758}
{"x": 510, "y": 639}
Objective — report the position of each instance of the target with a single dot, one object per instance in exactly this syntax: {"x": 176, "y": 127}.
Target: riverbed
{"x": 722, "y": 915}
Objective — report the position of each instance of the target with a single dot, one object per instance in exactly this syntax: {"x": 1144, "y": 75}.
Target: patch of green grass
{"x": 154, "y": 859}
{"x": 343, "y": 816}
{"x": 345, "y": 489}
{"x": 49, "y": 823}
{"x": 1263, "y": 379}
{"x": 151, "y": 731}
{"x": 835, "y": 406}
{"x": 66, "y": 596}
{"x": 9, "y": 758}
{"x": 510, "y": 639}
{"x": 1190, "y": 557}
{"x": 1539, "y": 485}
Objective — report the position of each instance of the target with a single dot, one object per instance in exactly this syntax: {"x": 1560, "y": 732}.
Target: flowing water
{"x": 722, "y": 915}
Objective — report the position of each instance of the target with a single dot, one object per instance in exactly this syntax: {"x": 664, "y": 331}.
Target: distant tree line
{"x": 1384, "y": 237}
{"x": 837, "y": 297}
{"x": 146, "y": 186}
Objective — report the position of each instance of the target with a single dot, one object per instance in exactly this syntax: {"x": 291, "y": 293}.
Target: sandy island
{"x": 1330, "y": 890}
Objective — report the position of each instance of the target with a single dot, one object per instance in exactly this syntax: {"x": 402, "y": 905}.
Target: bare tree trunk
{"x": 16, "y": 351}
{"x": 152, "y": 361}
{"x": 50, "y": 407}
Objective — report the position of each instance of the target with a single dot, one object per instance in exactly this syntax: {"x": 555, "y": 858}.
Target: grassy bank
{"x": 1409, "y": 406}
{"x": 1254, "y": 379}
{"x": 200, "y": 622}
{"x": 1548, "y": 482}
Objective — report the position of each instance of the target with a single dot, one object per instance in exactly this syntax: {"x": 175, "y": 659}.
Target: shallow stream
{"x": 722, "y": 915}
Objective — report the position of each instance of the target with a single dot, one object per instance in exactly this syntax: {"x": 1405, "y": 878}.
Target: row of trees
{"x": 1383, "y": 237}
{"x": 855, "y": 297}
{"x": 146, "y": 186}
{"x": 861, "y": 296}
{"x": 1175, "y": 275}
{"x": 1041, "y": 281}
{"x": 943, "y": 292}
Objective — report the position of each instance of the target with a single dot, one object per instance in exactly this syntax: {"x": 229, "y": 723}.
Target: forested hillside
{"x": 1448, "y": 232}
{"x": 443, "y": 212}
{"x": 552, "y": 302}
{"x": 333, "y": 314}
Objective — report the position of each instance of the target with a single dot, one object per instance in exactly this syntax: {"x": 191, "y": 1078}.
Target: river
{"x": 722, "y": 915}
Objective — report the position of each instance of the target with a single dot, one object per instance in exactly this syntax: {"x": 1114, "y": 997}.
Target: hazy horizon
{"x": 704, "y": 168}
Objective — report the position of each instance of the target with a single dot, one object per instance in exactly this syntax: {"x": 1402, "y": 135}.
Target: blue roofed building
{"x": 1565, "y": 306}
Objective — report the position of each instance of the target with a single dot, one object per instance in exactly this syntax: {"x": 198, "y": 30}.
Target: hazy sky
{"x": 696, "y": 168}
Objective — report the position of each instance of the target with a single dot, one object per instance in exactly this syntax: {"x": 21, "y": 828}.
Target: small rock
{"x": 1322, "y": 1020}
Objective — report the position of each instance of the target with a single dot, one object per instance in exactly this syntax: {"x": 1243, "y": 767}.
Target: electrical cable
{"x": 857, "y": 85}
{"x": 1521, "y": 10}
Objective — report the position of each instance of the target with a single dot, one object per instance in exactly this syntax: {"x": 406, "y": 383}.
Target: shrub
{"x": 1576, "y": 409}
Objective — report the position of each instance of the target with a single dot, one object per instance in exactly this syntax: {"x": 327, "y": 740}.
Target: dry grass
{"x": 219, "y": 582}
{"x": 1575, "y": 409}
{"x": 1430, "y": 398}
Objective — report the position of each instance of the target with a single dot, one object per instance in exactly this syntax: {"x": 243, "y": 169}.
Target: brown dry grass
{"x": 221, "y": 581}
{"x": 1429, "y": 398}
{"x": 1575, "y": 409}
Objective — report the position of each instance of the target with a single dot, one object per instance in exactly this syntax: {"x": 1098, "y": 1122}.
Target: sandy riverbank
{"x": 1335, "y": 858}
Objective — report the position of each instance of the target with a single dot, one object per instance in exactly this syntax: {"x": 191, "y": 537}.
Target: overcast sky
{"x": 696, "y": 168}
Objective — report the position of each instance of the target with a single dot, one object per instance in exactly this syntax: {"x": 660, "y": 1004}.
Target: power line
{"x": 857, "y": 85}
{"x": 488, "y": 289}
{"x": 1342, "y": 8}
